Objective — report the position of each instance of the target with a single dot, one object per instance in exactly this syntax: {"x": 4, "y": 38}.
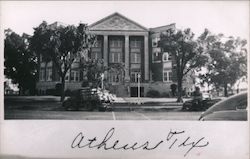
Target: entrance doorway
{"x": 134, "y": 91}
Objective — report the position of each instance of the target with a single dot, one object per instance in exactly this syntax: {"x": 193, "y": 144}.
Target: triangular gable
{"x": 117, "y": 22}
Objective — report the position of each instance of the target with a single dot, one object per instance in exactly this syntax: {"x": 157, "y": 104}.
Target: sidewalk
{"x": 145, "y": 100}
{"x": 145, "y": 104}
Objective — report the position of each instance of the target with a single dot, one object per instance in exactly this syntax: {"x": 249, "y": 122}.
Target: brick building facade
{"x": 121, "y": 40}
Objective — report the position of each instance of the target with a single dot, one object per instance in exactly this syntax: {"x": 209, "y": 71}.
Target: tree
{"x": 186, "y": 52}
{"x": 227, "y": 60}
{"x": 62, "y": 45}
{"x": 19, "y": 62}
{"x": 94, "y": 68}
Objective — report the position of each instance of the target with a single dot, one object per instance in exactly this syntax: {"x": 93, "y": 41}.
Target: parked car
{"x": 203, "y": 104}
{"x": 84, "y": 99}
{"x": 232, "y": 108}
{"x": 206, "y": 96}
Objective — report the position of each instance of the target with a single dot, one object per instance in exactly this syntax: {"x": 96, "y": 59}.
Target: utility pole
{"x": 139, "y": 87}
{"x": 102, "y": 77}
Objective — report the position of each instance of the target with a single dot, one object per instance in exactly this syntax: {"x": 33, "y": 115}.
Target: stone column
{"x": 146, "y": 59}
{"x": 105, "y": 50}
{"x": 127, "y": 77}
{"x": 105, "y": 54}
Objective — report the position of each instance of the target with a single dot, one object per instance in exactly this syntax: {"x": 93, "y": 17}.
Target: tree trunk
{"x": 179, "y": 87}
{"x": 62, "y": 90}
{"x": 225, "y": 90}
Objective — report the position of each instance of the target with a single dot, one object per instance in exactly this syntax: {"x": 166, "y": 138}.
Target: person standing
{"x": 197, "y": 98}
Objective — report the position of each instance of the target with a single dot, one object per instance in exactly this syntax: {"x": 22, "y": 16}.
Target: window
{"x": 115, "y": 43}
{"x": 135, "y": 51}
{"x": 156, "y": 57}
{"x": 115, "y": 51}
{"x": 42, "y": 74}
{"x": 67, "y": 76}
{"x": 96, "y": 50}
{"x": 94, "y": 55}
{"x": 155, "y": 41}
{"x": 167, "y": 57}
{"x": 114, "y": 78}
{"x": 167, "y": 76}
{"x": 134, "y": 77}
{"x": 49, "y": 74}
{"x": 98, "y": 43}
{"x": 135, "y": 58}
{"x": 74, "y": 76}
{"x": 135, "y": 43}
{"x": 115, "y": 57}
{"x": 77, "y": 76}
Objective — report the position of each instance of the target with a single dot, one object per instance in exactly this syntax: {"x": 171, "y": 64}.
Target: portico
{"x": 124, "y": 41}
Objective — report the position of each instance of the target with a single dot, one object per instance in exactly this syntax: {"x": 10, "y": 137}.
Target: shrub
{"x": 85, "y": 83}
{"x": 50, "y": 91}
{"x": 165, "y": 94}
{"x": 68, "y": 92}
{"x": 153, "y": 93}
{"x": 58, "y": 89}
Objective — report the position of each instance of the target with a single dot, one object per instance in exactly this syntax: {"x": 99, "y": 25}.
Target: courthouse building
{"x": 121, "y": 40}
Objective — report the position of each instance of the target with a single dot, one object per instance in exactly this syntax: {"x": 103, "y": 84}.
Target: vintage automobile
{"x": 200, "y": 105}
{"x": 84, "y": 99}
{"x": 232, "y": 108}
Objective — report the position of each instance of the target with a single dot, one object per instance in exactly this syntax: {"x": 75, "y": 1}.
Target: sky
{"x": 228, "y": 17}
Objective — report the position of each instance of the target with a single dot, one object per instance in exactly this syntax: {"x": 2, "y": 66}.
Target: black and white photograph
{"x": 124, "y": 65}
{"x": 126, "y": 62}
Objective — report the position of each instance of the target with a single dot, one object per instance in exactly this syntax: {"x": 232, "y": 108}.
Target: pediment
{"x": 117, "y": 22}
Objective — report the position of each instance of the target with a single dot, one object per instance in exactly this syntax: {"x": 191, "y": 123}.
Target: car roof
{"x": 229, "y": 103}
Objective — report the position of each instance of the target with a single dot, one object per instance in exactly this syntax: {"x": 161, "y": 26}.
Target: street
{"x": 49, "y": 107}
{"x": 83, "y": 115}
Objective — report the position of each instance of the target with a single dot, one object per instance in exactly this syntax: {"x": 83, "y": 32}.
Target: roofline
{"x": 169, "y": 25}
{"x": 116, "y": 13}
{"x": 58, "y": 22}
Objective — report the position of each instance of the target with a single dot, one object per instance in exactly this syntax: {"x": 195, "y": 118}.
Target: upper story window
{"x": 115, "y": 57}
{"x": 156, "y": 57}
{"x": 96, "y": 55}
{"x": 115, "y": 51}
{"x": 155, "y": 41}
{"x": 98, "y": 43}
{"x": 115, "y": 43}
{"x": 96, "y": 51}
{"x": 135, "y": 57}
{"x": 167, "y": 56}
{"x": 135, "y": 43}
{"x": 135, "y": 50}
